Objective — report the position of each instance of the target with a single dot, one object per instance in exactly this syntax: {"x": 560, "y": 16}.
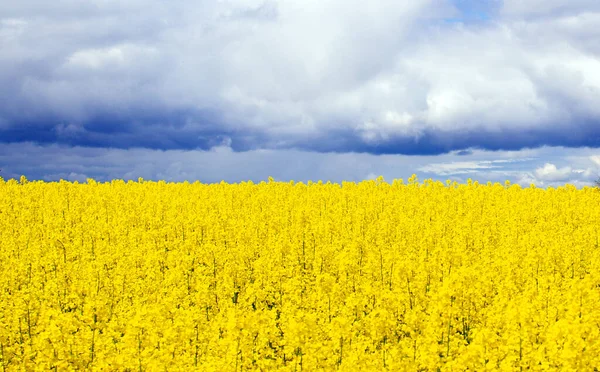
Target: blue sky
{"x": 301, "y": 89}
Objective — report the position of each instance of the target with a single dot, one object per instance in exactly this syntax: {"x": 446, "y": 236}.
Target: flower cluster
{"x": 298, "y": 276}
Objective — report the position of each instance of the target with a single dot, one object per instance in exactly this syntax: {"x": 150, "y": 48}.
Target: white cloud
{"x": 111, "y": 57}
{"x": 299, "y": 74}
{"x": 549, "y": 172}
{"x": 474, "y": 166}
{"x": 460, "y": 167}
{"x": 596, "y": 160}
{"x": 96, "y": 58}
{"x": 547, "y": 7}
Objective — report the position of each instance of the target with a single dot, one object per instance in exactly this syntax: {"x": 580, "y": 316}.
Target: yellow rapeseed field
{"x": 415, "y": 276}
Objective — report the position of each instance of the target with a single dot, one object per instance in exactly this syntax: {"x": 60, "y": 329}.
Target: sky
{"x": 238, "y": 90}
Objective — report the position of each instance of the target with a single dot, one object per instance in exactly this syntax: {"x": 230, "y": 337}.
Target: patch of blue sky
{"x": 474, "y": 11}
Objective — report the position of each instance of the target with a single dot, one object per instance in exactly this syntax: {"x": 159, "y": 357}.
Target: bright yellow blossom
{"x": 298, "y": 276}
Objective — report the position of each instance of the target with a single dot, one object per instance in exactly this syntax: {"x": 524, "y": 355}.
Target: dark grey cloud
{"x": 383, "y": 77}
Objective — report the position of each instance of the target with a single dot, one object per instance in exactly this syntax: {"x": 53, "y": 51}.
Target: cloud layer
{"x": 383, "y": 77}
{"x": 547, "y": 166}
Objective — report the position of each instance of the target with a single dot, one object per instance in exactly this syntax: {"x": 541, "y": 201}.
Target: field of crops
{"x": 371, "y": 275}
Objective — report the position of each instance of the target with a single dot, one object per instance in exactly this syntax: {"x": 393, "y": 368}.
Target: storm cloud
{"x": 316, "y": 79}
{"x": 380, "y": 77}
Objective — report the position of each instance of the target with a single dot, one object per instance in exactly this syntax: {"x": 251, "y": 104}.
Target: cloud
{"x": 544, "y": 167}
{"x": 55, "y": 162}
{"x": 383, "y": 77}
{"x": 465, "y": 167}
{"x": 549, "y": 172}
{"x": 595, "y": 159}
{"x": 454, "y": 168}
{"x": 547, "y": 7}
